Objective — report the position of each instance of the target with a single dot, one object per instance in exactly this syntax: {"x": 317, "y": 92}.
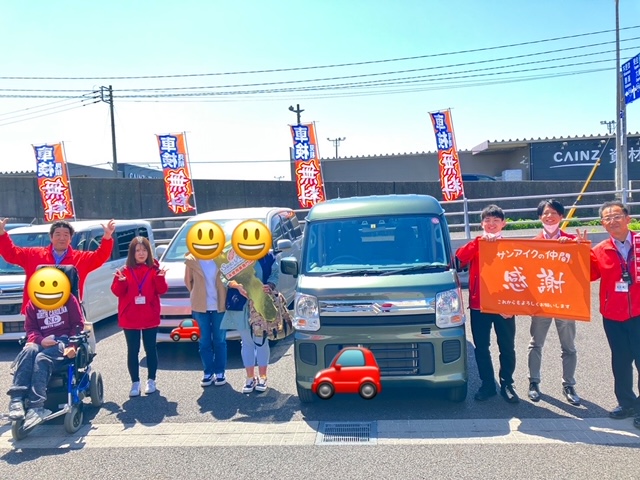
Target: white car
{"x": 175, "y": 305}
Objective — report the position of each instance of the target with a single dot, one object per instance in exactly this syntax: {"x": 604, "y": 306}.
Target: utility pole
{"x": 297, "y": 111}
{"x": 622, "y": 175}
{"x": 109, "y": 100}
{"x": 336, "y": 142}
{"x": 611, "y": 124}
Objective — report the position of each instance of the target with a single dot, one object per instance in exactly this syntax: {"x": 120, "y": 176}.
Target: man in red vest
{"x": 614, "y": 261}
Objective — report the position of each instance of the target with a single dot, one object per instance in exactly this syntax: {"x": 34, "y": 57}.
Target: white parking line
{"x": 596, "y": 431}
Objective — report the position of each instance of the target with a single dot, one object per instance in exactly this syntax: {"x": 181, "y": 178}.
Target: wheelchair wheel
{"x": 96, "y": 389}
{"x": 18, "y": 432}
{"x": 73, "y": 419}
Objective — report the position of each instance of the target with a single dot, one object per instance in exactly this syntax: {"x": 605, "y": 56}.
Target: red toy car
{"x": 353, "y": 370}
{"x": 187, "y": 329}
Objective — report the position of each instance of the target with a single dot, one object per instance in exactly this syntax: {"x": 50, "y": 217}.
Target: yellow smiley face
{"x": 49, "y": 288}
{"x": 205, "y": 240}
{"x": 251, "y": 240}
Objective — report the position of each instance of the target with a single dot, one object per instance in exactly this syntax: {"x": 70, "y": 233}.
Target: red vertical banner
{"x": 53, "y": 182}
{"x": 448, "y": 160}
{"x": 178, "y": 186}
{"x": 310, "y": 185}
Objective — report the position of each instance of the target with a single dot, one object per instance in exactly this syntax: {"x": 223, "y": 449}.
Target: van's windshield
{"x": 36, "y": 239}
{"x": 374, "y": 245}
{"x": 178, "y": 247}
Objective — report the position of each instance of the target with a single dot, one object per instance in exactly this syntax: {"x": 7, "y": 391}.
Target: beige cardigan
{"x": 194, "y": 280}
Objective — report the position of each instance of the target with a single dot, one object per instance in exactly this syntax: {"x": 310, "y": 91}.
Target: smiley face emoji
{"x": 205, "y": 240}
{"x": 251, "y": 240}
{"x": 49, "y": 288}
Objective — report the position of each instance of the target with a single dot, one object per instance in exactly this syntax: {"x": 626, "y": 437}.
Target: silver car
{"x": 286, "y": 233}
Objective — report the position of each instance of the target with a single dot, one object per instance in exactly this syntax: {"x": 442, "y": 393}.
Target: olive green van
{"x": 379, "y": 272}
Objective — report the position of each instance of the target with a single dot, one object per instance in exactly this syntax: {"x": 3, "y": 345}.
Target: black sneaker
{"x": 571, "y": 395}
{"x": 16, "y": 410}
{"x": 484, "y": 394}
{"x": 35, "y": 416}
{"x": 534, "y": 392}
{"x": 620, "y": 413}
{"x": 636, "y": 421}
{"x": 509, "y": 394}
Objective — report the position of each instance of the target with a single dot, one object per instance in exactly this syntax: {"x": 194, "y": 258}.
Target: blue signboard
{"x": 631, "y": 79}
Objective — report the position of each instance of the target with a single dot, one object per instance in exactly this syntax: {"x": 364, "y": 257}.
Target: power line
{"x": 45, "y": 114}
{"x": 351, "y": 64}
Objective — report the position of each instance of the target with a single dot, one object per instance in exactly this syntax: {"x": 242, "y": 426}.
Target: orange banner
{"x": 53, "y": 182}
{"x": 309, "y": 181}
{"x": 448, "y": 161}
{"x": 535, "y": 277}
{"x": 177, "y": 175}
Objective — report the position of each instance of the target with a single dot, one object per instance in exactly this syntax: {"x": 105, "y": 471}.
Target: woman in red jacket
{"x": 138, "y": 287}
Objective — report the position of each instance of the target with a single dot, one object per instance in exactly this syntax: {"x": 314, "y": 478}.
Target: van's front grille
{"x": 394, "y": 359}
{"x": 382, "y": 320}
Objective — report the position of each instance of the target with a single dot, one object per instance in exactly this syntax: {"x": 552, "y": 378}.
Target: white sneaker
{"x": 150, "y": 388}
{"x": 135, "y": 389}
{"x": 261, "y": 386}
{"x": 249, "y": 386}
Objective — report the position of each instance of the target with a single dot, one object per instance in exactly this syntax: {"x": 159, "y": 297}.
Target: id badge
{"x": 140, "y": 300}
{"x": 622, "y": 286}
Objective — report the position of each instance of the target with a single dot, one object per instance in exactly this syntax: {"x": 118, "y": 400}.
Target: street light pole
{"x": 336, "y": 142}
{"x": 610, "y": 125}
{"x": 622, "y": 175}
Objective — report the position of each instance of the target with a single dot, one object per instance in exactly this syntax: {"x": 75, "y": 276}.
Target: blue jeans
{"x": 213, "y": 342}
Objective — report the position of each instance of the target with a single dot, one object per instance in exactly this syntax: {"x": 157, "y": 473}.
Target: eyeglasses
{"x": 612, "y": 218}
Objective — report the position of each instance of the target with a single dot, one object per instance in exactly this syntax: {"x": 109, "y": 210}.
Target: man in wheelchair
{"x": 48, "y": 349}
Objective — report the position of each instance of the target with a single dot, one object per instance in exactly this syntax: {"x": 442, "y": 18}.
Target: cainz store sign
{"x": 574, "y": 159}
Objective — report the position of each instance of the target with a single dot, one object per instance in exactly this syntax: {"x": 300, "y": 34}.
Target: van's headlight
{"x": 449, "y": 309}
{"x": 306, "y": 315}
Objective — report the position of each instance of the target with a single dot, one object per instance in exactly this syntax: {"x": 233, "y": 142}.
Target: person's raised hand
{"x": 109, "y": 228}
{"x": 581, "y": 235}
{"x": 119, "y": 275}
{"x": 3, "y": 223}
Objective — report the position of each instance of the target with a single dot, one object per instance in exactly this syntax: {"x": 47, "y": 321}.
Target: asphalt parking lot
{"x": 181, "y": 399}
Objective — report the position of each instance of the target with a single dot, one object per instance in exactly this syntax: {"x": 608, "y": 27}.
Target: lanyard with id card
{"x": 140, "y": 298}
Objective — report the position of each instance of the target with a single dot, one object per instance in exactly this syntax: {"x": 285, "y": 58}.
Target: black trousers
{"x": 624, "y": 341}
{"x": 133, "y": 348}
{"x": 505, "y": 328}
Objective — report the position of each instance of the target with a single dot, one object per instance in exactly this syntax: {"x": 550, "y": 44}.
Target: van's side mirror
{"x": 283, "y": 244}
{"x": 289, "y": 266}
{"x": 459, "y": 267}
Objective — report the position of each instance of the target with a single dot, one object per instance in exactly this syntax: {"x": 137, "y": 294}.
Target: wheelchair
{"x": 77, "y": 381}
{"x": 74, "y": 381}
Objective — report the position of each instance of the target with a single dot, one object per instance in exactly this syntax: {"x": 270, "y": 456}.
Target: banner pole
{"x": 187, "y": 160}
{"x": 66, "y": 171}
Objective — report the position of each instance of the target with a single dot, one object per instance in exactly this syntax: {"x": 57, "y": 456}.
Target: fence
{"x": 463, "y": 215}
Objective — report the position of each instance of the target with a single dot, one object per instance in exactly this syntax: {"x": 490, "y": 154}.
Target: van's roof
{"x": 375, "y": 205}
{"x": 77, "y": 226}
{"x": 235, "y": 213}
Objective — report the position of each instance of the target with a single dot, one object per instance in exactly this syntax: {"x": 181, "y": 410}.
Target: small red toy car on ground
{"x": 187, "y": 329}
{"x": 353, "y": 370}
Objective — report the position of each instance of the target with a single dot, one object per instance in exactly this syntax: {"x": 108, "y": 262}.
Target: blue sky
{"x": 247, "y": 136}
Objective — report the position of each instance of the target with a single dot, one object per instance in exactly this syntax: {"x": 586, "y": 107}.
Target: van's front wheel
{"x": 305, "y": 395}
{"x": 457, "y": 394}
